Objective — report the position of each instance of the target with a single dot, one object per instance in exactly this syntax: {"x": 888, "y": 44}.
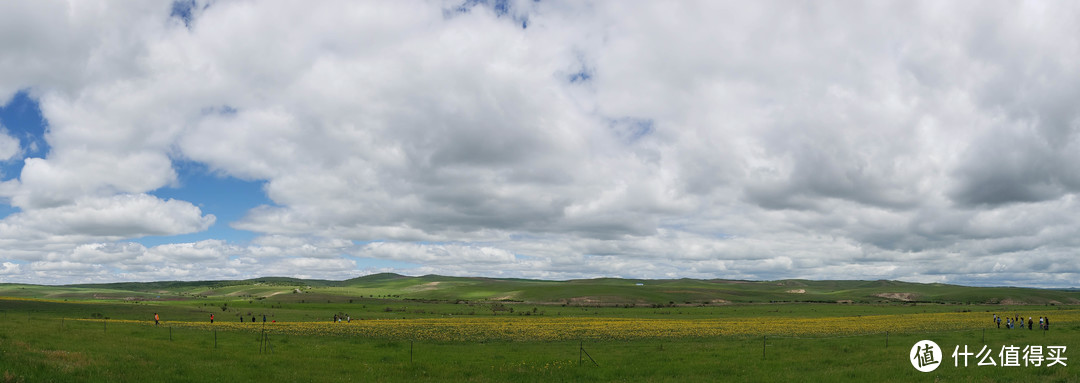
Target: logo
{"x": 925, "y": 356}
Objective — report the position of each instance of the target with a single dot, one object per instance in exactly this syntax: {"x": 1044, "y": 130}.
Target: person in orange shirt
{"x": 156, "y": 319}
{"x": 211, "y": 318}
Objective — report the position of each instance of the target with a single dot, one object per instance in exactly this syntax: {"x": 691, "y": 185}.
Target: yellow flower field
{"x": 554, "y": 329}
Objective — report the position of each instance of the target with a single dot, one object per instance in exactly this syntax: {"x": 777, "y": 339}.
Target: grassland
{"x": 470, "y": 329}
{"x": 592, "y": 292}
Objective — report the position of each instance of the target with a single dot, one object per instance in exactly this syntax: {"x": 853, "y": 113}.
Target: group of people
{"x": 157, "y": 319}
{"x": 242, "y": 318}
{"x": 1017, "y": 321}
{"x": 339, "y": 318}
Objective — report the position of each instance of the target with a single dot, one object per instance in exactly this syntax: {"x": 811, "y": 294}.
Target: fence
{"x": 257, "y": 340}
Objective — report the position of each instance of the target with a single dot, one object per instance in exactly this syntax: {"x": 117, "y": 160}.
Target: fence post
{"x": 269, "y": 347}
{"x": 264, "y": 343}
{"x": 581, "y": 349}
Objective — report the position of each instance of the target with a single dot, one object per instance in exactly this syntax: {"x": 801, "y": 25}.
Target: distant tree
{"x": 498, "y": 307}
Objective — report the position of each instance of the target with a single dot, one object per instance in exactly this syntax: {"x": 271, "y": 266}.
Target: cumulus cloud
{"x": 9, "y": 268}
{"x": 9, "y": 146}
{"x": 435, "y": 254}
{"x": 555, "y": 140}
{"x": 110, "y": 218}
{"x": 193, "y": 252}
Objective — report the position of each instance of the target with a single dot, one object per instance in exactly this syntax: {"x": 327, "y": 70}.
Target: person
{"x": 211, "y": 318}
{"x": 252, "y": 319}
{"x": 335, "y": 318}
{"x": 156, "y": 319}
{"x": 241, "y": 319}
{"x": 264, "y": 318}
{"x": 1031, "y": 323}
{"x": 1047, "y": 323}
{"x": 999, "y": 322}
{"x": 348, "y": 319}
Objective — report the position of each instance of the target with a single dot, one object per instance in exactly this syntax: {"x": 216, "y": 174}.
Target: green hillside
{"x": 585, "y": 292}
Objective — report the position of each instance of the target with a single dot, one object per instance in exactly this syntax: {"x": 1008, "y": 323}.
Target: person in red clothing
{"x": 156, "y": 319}
{"x": 211, "y": 318}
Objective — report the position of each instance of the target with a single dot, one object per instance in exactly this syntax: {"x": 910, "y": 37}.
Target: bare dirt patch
{"x": 426, "y": 287}
{"x": 275, "y": 293}
{"x": 906, "y": 297}
{"x": 507, "y": 297}
{"x": 797, "y": 291}
{"x": 585, "y": 300}
{"x": 138, "y": 298}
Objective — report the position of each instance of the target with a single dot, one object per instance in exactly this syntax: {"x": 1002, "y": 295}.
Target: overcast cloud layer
{"x": 921, "y": 141}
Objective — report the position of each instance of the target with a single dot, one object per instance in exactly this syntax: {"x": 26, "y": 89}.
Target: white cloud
{"x": 95, "y": 219}
{"x": 9, "y": 146}
{"x": 280, "y": 246}
{"x": 62, "y": 46}
{"x": 744, "y": 140}
{"x": 102, "y": 253}
{"x": 436, "y": 254}
{"x": 9, "y": 268}
{"x": 208, "y": 250}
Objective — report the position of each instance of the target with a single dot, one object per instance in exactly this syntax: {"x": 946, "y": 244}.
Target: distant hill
{"x": 586, "y": 292}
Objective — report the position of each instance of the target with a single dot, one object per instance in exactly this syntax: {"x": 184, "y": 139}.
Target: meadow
{"x": 93, "y": 334}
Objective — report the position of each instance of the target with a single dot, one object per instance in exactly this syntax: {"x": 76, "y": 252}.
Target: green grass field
{"x": 106, "y": 334}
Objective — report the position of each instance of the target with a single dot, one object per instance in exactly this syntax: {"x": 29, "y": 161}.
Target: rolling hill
{"x": 584, "y": 292}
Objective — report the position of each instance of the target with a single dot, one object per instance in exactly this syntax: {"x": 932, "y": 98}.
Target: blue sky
{"x": 225, "y": 197}
{"x": 202, "y": 140}
{"x": 22, "y": 119}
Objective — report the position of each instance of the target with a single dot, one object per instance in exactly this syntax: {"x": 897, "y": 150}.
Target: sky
{"x": 922, "y": 141}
